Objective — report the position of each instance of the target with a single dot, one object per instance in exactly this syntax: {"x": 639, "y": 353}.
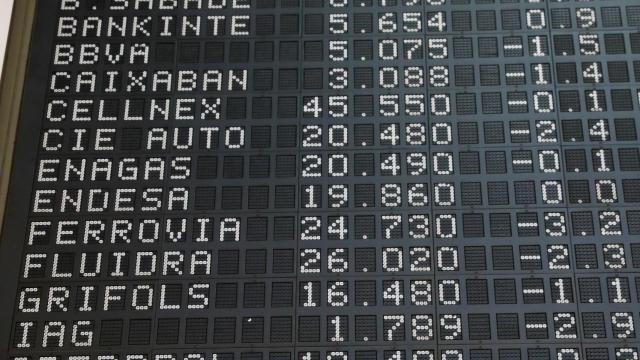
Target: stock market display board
{"x": 326, "y": 180}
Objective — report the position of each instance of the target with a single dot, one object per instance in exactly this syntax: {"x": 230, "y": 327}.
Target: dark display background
{"x": 371, "y": 180}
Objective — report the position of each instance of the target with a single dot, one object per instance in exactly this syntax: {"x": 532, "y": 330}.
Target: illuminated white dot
{"x": 362, "y": 31}
{"x": 364, "y": 143}
{"x": 363, "y": 86}
{"x": 364, "y": 114}
{"x": 366, "y": 303}
{"x": 363, "y": 58}
{"x": 365, "y": 237}
{"x": 364, "y": 173}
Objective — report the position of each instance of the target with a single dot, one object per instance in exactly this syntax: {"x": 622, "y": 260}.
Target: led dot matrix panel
{"x": 327, "y": 180}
